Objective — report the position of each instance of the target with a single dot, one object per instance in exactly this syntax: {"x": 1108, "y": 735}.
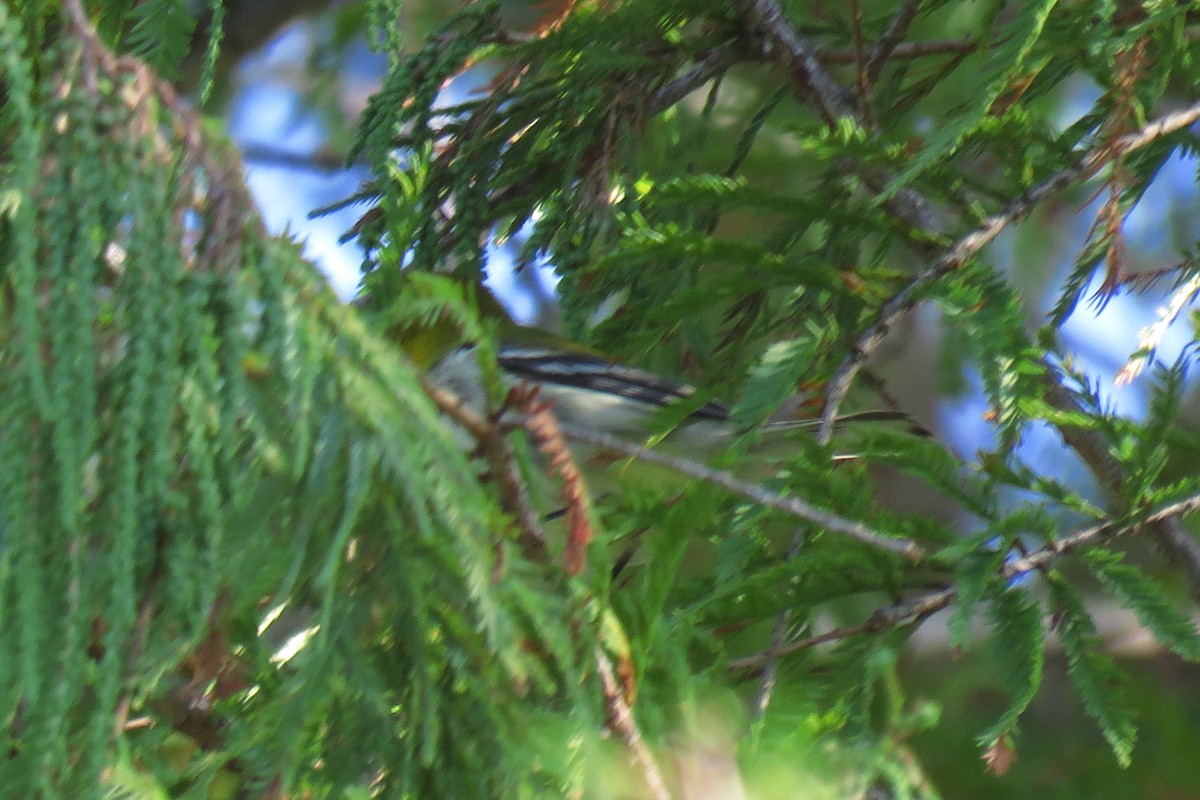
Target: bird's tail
{"x": 849, "y": 420}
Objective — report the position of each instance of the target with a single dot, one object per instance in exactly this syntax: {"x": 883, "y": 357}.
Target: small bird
{"x": 594, "y": 393}
{"x": 587, "y": 390}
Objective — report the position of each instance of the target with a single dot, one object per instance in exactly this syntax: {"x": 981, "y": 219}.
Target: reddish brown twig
{"x": 537, "y": 417}
{"x": 514, "y": 495}
{"x": 622, "y": 723}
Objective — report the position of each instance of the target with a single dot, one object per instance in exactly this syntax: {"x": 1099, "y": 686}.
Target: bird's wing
{"x": 587, "y": 371}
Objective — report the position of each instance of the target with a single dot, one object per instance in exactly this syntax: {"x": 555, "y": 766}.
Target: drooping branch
{"x": 230, "y": 208}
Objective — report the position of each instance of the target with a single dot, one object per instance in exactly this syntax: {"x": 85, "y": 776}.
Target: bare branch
{"x": 779, "y": 38}
{"x": 887, "y": 44}
{"x": 906, "y": 51}
{"x": 323, "y": 161}
{"x": 1084, "y": 536}
{"x": 792, "y": 505}
{"x": 717, "y": 61}
{"x": 1146, "y": 280}
{"x": 883, "y": 619}
{"x": 862, "y": 86}
{"x": 1150, "y": 337}
{"x": 727, "y": 55}
{"x": 770, "y": 667}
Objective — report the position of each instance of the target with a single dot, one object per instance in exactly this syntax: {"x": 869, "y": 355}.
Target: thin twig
{"x": 826, "y": 520}
{"x": 779, "y": 38}
{"x": 906, "y": 51}
{"x": 966, "y": 247}
{"x": 726, "y": 55}
{"x": 1146, "y": 280}
{"x": 883, "y": 619}
{"x": 1085, "y": 536}
{"x": 496, "y": 450}
{"x": 717, "y": 60}
{"x": 323, "y": 161}
{"x": 622, "y": 723}
{"x": 862, "y": 86}
{"x": 766, "y": 686}
{"x": 927, "y": 603}
{"x": 887, "y": 45}
{"x": 767, "y": 22}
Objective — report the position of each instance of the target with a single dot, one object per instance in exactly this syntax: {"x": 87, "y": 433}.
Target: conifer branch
{"x": 775, "y": 37}
{"x": 726, "y": 55}
{"x": 828, "y": 521}
{"x": 921, "y": 606}
{"x": 896, "y": 30}
{"x": 769, "y": 24}
{"x": 965, "y": 248}
{"x": 230, "y": 209}
{"x": 1095, "y": 453}
{"x": 514, "y": 494}
{"x": 1090, "y": 535}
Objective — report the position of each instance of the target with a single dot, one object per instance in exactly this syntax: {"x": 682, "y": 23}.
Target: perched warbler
{"x": 591, "y": 392}
{"x": 587, "y": 390}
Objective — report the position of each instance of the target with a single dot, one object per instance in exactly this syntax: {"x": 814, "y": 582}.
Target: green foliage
{"x": 241, "y": 550}
{"x": 1101, "y": 685}
{"x": 1015, "y": 57}
{"x": 161, "y": 33}
{"x": 1149, "y": 601}
{"x": 196, "y": 433}
{"x": 1020, "y": 655}
{"x": 976, "y": 577}
{"x": 988, "y": 316}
